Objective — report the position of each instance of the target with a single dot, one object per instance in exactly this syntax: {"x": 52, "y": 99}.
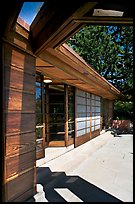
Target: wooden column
{"x": 19, "y": 119}
{"x": 66, "y": 114}
{"x": 90, "y": 116}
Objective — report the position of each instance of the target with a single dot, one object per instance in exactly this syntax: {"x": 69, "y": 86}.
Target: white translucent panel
{"x": 97, "y": 127}
{"x": 80, "y": 100}
{"x": 97, "y": 109}
{"x": 93, "y": 96}
{"x": 97, "y": 103}
{"x": 93, "y": 128}
{"x": 88, "y": 109}
{"x": 93, "y": 102}
{"x": 93, "y": 109}
{"x": 97, "y": 98}
{"x": 93, "y": 122}
{"x": 81, "y": 125}
{"x": 81, "y": 119}
{"x": 88, "y": 123}
{"x": 80, "y": 132}
{"x": 97, "y": 115}
{"x": 88, "y": 130}
{"x": 88, "y": 95}
{"x": 88, "y": 102}
{"x": 81, "y": 115}
{"x": 80, "y": 92}
{"x": 93, "y": 118}
{"x": 88, "y": 118}
{"x": 97, "y": 122}
{"x": 81, "y": 109}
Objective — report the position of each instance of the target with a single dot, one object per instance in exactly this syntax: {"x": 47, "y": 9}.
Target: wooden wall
{"x": 107, "y": 113}
{"x": 19, "y": 119}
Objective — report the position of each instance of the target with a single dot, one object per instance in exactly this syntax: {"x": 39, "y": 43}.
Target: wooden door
{"x": 40, "y": 117}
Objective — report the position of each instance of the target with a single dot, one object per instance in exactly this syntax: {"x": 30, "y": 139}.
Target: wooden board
{"x": 19, "y": 110}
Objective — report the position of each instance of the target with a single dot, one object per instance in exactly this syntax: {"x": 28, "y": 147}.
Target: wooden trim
{"x": 47, "y": 114}
{"x": 43, "y": 109}
{"x": 39, "y": 154}
{"x": 56, "y": 144}
{"x": 99, "y": 20}
{"x": 4, "y": 193}
{"x": 75, "y": 119}
{"x": 66, "y": 113}
{"x": 86, "y": 7}
{"x": 70, "y": 141}
{"x": 12, "y": 11}
{"x": 90, "y": 116}
{"x": 95, "y": 133}
{"x": 17, "y": 46}
{"x": 82, "y": 139}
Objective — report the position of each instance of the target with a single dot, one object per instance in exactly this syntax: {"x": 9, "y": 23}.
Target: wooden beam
{"x": 98, "y": 20}
{"x": 53, "y": 24}
{"x": 62, "y": 62}
{"x": 9, "y": 13}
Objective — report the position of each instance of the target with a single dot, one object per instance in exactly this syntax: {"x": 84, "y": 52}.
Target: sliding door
{"x": 56, "y": 115}
{"x": 40, "y": 117}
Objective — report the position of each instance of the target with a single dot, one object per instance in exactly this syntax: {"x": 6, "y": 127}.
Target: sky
{"x": 29, "y": 11}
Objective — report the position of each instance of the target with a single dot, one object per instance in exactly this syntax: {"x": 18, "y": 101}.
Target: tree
{"x": 109, "y": 50}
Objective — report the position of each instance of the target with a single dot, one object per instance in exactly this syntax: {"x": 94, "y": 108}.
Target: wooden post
{"x": 66, "y": 114}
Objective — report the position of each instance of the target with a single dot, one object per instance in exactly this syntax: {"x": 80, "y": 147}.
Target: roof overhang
{"x": 65, "y": 65}
{"x": 57, "y": 20}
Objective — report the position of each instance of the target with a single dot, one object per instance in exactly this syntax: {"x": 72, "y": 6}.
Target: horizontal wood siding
{"x": 17, "y": 73}
{"x": 15, "y": 146}
{"x": 20, "y": 185}
{"x": 17, "y": 100}
{"x": 17, "y": 122}
{"x": 20, "y": 156}
{"x": 17, "y": 164}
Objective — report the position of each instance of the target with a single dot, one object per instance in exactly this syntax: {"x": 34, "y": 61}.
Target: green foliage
{"x": 123, "y": 110}
{"x": 109, "y": 50}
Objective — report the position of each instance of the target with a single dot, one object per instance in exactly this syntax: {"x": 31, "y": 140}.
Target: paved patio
{"x": 100, "y": 170}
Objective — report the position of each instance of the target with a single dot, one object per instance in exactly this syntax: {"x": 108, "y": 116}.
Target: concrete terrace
{"x": 100, "y": 170}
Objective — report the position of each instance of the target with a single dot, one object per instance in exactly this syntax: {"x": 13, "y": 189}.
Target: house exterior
{"x": 72, "y": 109}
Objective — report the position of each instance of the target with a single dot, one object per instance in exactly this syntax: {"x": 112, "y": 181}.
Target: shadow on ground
{"x": 120, "y": 132}
{"x": 87, "y": 192}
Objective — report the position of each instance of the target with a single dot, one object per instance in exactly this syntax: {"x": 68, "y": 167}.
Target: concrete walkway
{"x": 100, "y": 170}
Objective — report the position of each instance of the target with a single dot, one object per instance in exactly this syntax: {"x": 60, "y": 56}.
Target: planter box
{"x": 123, "y": 125}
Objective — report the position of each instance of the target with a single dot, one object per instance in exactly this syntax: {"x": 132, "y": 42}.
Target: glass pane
{"x": 70, "y": 112}
{"x": 56, "y": 108}
{"x": 38, "y": 100}
{"x": 57, "y": 98}
{"x": 38, "y": 79}
{"x": 56, "y": 128}
{"x": 70, "y": 126}
{"x": 38, "y": 83}
{"x": 56, "y": 137}
{"x": 56, "y": 118}
{"x": 39, "y": 119}
{"x": 71, "y": 134}
{"x": 39, "y": 133}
